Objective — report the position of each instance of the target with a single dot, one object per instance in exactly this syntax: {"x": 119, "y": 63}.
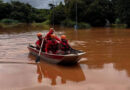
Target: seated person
{"x": 52, "y": 45}
{"x": 64, "y": 45}
{"x": 48, "y": 36}
{"x": 39, "y": 42}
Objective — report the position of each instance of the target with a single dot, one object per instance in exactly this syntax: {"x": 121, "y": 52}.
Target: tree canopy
{"x": 22, "y": 12}
{"x": 94, "y": 12}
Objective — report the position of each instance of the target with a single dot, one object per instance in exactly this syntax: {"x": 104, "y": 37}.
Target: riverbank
{"x": 42, "y": 25}
{"x": 21, "y": 25}
{"x": 46, "y": 25}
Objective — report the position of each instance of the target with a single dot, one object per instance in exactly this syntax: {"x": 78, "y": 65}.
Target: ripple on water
{"x": 105, "y": 66}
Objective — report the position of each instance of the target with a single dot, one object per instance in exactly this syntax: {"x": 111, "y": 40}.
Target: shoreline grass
{"x": 45, "y": 25}
{"x": 119, "y": 25}
{"x": 21, "y": 25}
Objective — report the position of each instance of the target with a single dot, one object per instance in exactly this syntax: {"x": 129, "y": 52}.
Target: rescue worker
{"x": 52, "y": 45}
{"x": 48, "y": 36}
{"x": 64, "y": 45}
{"x": 39, "y": 42}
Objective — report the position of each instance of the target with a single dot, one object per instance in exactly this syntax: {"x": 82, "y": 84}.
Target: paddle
{"x": 38, "y": 57}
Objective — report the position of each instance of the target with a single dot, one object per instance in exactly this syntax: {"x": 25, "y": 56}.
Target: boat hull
{"x": 56, "y": 58}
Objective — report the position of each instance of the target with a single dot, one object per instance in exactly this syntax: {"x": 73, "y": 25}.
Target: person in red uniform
{"x": 39, "y": 42}
{"x": 65, "y": 47}
{"x": 52, "y": 45}
{"x": 48, "y": 36}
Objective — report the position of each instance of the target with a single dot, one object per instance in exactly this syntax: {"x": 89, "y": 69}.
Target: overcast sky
{"x": 38, "y": 3}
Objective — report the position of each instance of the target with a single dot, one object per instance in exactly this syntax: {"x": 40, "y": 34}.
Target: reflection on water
{"x": 73, "y": 73}
{"x": 52, "y": 72}
{"x": 107, "y": 62}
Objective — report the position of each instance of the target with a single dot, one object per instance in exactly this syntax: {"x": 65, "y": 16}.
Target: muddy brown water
{"x": 105, "y": 66}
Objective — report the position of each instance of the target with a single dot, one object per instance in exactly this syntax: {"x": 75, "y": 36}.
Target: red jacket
{"x": 52, "y": 46}
{"x": 64, "y": 45}
{"x": 39, "y": 42}
{"x": 48, "y": 36}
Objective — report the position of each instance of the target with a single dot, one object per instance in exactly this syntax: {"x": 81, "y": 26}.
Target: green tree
{"x": 81, "y": 10}
{"x": 5, "y": 9}
{"x": 123, "y": 11}
{"x": 22, "y": 12}
{"x": 57, "y": 14}
{"x": 41, "y": 15}
{"x": 95, "y": 12}
{"x": 1, "y": 1}
{"x": 51, "y": 6}
{"x": 100, "y": 11}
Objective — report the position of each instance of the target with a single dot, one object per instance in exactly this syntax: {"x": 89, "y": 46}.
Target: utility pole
{"x": 76, "y": 18}
{"x": 53, "y": 12}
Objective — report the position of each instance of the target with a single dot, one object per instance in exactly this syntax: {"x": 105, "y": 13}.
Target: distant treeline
{"x": 22, "y": 12}
{"x": 93, "y": 12}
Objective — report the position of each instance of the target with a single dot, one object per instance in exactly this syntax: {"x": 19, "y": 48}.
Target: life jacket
{"x": 48, "y": 36}
{"x": 64, "y": 45}
{"x": 43, "y": 46}
{"x": 39, "y": 42}
{"x": 52, "y": 46}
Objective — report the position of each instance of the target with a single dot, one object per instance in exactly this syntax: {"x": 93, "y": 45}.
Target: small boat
{"x": 57, "y": 58}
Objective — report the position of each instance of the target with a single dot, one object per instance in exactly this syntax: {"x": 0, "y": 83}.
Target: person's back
{"x": 48, "y": 36}
{"x": 65, "y": 47}
{"x": 52, "y": 45}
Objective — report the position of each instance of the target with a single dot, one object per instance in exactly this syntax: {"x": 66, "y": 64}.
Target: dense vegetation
{"x": 94, "y": 12}
{"x": 89, "y": 12}
{"x": 21, "y": 12}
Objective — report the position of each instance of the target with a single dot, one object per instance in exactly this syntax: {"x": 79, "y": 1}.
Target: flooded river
{"x": 105, "y": 66}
